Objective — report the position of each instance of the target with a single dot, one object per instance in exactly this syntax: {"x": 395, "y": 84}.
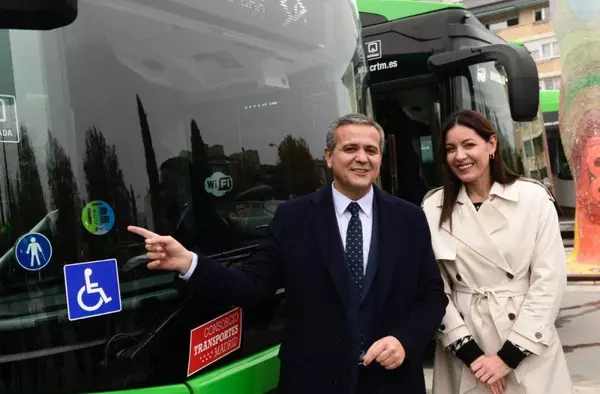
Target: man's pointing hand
{"x": 164, "y": 252}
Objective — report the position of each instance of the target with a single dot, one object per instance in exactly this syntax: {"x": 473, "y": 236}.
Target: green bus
{"x": 428, "y": 59}
{"x": 193, "y": 118}
{"x": 196, "y": 119}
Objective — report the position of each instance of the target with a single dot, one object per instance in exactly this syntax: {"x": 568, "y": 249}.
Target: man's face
{"x": 356, "y": 159}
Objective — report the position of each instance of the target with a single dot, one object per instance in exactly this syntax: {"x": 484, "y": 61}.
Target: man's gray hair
{"x": 357, "y": 119}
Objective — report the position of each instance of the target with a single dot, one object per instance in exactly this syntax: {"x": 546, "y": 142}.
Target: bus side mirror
{"x": 523, "y": 81}
{"x": 37, "y": 14}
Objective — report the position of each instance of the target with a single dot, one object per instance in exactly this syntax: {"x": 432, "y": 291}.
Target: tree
{"x": 151, "y": 166}
{"x": 134, "y": 212}
{"x": 29, "y": 187}
{"x": 29, "y": 206}
{"x": 296, "y": 172}
{"x": 208, "y": 231}
{"x": 65, "y": 200}
{"x": 104, "y": 181}
{"x": 201, "y": 168}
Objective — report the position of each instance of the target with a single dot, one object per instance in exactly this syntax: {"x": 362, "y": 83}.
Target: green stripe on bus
{"x": 256, "y": 374}
{"x": 549, "y": 100}
{"x": 399, "y": 9}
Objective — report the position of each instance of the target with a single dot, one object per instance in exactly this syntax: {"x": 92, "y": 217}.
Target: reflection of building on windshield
{"x": 186, "y": 210}
{"x": 534, "y": 150}
{"x": 524, "y": 148}
{"x": 193, "y": 212}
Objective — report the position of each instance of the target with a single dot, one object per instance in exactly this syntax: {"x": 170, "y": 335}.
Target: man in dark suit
{"x": 364, "y": 293}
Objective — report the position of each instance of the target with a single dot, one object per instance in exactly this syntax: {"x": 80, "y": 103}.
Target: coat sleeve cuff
{"x": 535, "y": 342}
{"x": 193, "y": 266}
{"x": 469, "y": 352}
{"x": 447, "y": 338}
{"x": 511, "y": 355}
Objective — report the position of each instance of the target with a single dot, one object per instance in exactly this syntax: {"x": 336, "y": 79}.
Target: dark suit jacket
{"x": 303, "y": 252}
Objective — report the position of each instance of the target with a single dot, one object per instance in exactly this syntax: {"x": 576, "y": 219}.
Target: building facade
{"x": 526, "y": 21}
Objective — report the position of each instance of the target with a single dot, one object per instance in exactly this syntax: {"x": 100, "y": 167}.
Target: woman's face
{"x": 467, "y": 154}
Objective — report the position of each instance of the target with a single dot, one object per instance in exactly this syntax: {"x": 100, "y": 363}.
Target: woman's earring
{"x": 492, "y": 156}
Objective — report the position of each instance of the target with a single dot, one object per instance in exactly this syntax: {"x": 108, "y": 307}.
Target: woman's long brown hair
{"x": 499, "y": 170}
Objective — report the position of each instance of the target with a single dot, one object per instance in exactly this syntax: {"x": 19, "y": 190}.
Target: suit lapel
{"x": 390, "y": 228}
{"x": 327, "y": 234}
{"x": 373, "y": 257}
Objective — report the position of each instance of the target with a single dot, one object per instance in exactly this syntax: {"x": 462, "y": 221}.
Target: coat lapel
{"x": 390, "y": 229}
{"x": 373, "y": 257}
{"x": 327, "y": 234}
{"x": 496, "y": 211}
{"x": 476, "y": 233}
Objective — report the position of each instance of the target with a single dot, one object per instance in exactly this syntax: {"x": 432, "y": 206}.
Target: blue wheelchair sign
{"x": 33, "y": 251}
{"x": 92, "y": 289}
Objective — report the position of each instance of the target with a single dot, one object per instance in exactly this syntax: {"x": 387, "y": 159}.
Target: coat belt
{"x": 493, "y": 295}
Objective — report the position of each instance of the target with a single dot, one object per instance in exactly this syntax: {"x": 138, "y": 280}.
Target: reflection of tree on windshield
{"x": 150, "y": 156}
{"x": 29, "y": 206}
{"x": 200, "y": 169}
{"x": 248, "y": 170}
{"x": 64, "y": 197}
{"x": 134, "y": 211}
{"x": 104, "y": 181}
{"x": 186, "y": 210}
{"x": 211, "y": 228}
{"x": 296, "y": 172}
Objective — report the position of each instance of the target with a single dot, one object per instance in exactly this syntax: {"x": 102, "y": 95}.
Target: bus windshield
{"x": 483, "y": 87}
{"x": 193, "y": 119}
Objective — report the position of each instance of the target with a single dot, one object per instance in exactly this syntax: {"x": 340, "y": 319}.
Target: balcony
{"x": 525, "y": 30}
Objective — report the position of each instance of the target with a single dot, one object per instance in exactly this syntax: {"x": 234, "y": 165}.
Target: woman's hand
{"x": 499, "y": 387}
{"x": 490, "y": 369}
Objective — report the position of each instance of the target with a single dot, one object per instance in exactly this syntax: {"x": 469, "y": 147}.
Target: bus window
{"x": 194, "y": 119}
{"x": 483, "y": 88}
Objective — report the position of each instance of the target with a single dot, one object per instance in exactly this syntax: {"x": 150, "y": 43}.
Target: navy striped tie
{"x": 354, "y": 247}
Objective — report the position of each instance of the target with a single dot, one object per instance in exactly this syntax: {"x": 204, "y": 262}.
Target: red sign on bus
{"x": 215, "y": 340}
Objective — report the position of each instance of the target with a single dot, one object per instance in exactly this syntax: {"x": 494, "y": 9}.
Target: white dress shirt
{"x": 340, "y": 204}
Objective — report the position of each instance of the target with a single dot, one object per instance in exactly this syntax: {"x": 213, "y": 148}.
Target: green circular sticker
{"x": 98, "y": 217}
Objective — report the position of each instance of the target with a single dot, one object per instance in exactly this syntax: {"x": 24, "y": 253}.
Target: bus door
{"x": 410, "y": 112}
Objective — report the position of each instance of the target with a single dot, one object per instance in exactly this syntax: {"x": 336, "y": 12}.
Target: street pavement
{"x": 578, "y": 326}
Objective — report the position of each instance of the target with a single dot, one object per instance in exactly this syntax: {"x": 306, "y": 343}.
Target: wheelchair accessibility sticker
{"x": 33, "y": 251}
{"x": 92, "y": 289}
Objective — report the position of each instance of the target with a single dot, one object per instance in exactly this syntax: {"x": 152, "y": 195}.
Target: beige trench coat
{"x": 504, "y": 270}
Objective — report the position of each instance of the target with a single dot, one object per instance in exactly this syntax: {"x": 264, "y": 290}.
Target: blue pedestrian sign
{"x": 33, "y": 251}
{"x": 92, "y": 289}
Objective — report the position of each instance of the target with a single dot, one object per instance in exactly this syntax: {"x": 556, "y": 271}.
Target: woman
{"x": 497, "y": 240}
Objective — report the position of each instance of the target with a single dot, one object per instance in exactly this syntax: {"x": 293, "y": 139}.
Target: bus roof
{"x": 398, "y": 9}
{"x": 549, "y": 100}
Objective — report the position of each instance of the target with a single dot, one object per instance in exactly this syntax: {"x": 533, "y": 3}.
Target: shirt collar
{"x": 341, "y": 202}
